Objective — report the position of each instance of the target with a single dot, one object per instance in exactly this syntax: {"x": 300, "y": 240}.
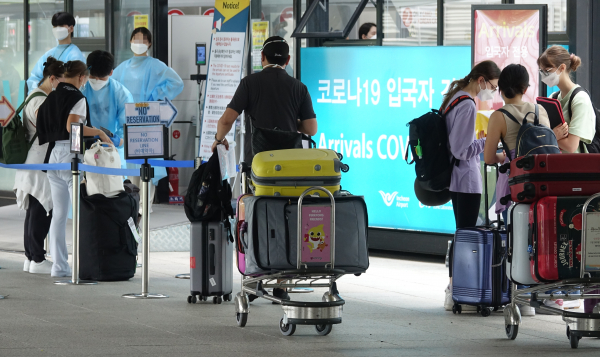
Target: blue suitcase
{"x": 478, "y": 270}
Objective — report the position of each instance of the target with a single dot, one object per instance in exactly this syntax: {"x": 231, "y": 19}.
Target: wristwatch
{"x": 217, "y": 140}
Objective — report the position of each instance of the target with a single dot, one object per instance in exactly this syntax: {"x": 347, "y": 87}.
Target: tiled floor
{"x": 393, "y": 310}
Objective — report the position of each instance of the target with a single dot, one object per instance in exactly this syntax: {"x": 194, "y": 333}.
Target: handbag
{"x": 107, "y": 185}
{"x": 276, "y": 139}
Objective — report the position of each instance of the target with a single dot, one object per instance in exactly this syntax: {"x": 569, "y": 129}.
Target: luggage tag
{"x": 136, "y": 235}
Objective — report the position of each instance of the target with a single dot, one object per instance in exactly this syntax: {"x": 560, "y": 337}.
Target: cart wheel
{"x": 511, "y": 331}
{"x": 286, "y": 330}
{"x": 215, "y": 300}
{"x": 219, "y": 300}
{"x": 323, "y": 330}
{"x": 459, "y": 308}
{"x": 190, "y": 299}
{"x": 568, "y": 333}
{"x": 194, "y": 299}
{"x": 485, "y": 312}
{"x": 574, "y": 341}
{"x": 241, "y": 318}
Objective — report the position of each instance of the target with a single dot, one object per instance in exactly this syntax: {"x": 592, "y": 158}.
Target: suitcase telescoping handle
{"x": 584, "y": 214}
{"x": 486, "y": 199}
{"x": 331, "y": 263}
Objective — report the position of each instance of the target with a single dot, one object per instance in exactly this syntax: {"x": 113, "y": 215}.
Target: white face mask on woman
{"x": 60, "y": 33}
{"x": 139, "y": 48}
{"x": 551, "y": 79}
{"x": 485, "y": 94}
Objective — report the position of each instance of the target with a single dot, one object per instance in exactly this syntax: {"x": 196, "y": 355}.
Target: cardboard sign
{"x": 142, "y": 113}
{"x": 316, "y": 234}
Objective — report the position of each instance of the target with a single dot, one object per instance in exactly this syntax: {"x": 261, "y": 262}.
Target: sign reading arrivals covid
{"x": 363, "y": 98}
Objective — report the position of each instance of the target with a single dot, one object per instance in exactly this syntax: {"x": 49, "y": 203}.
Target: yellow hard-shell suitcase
{"x": 290, "y": 172}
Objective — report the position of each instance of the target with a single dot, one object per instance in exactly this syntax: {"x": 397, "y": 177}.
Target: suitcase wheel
{"x": 485, "y": 312}
{"x": 227, "y": 297}
{"x": 456, "y": 309}
{"x": 191, "y": 299}
{"x": 217, "y": 300}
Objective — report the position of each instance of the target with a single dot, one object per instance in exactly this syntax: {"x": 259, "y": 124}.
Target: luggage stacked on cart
{"x": 549, "y": 191}
{"x": 208, "y": 207}
{"x": 478, "y": 273}
{"x": 267, "y": 221}
{"x": 107, "y": 244}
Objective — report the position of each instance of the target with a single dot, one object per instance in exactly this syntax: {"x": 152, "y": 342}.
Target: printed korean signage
{"x": 225, "y": 65}
{"x": 363, "y": 104}
{"x": 260, "y": 33}
{"x": 509, "y": 35}
{"x": 316, "y": 234}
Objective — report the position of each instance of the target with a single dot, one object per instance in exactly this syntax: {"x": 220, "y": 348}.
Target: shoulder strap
{"x": 456, "y": 102}
{"x": 36, "y": 94}
{"x": 555, "y": 95}
{"x": 536, "y": 121}
{"x": 22, "y": 106}
{"x": 573, "y": 94}
{"x": 506, "y": 148}
{"x": 510, "y": 116}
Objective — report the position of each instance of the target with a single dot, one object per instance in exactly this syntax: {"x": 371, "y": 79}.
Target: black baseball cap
{"x": 276, "y": 47}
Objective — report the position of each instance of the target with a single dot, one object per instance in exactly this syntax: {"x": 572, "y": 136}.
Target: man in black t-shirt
{"x": 271, "y": 97}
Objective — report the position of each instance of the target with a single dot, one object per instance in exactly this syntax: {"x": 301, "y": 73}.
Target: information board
{"x": 146, "y": 141}
{"x": 363, "y": 104}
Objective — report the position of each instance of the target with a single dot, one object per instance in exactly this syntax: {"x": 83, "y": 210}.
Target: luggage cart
{"x": 578, "y": 324}
{"x": 324, "y": 314}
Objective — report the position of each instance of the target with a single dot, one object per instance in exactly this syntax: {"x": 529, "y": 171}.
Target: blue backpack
{"x": 533, "y": 138}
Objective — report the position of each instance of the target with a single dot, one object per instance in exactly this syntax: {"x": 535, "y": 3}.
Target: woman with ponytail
{"x": 465, "y": 147}
{"x": 556, "y": 66}
{"x": 32, "y": 188}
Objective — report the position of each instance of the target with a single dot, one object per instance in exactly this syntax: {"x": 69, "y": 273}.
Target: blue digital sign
{"x": 363, "y": 98}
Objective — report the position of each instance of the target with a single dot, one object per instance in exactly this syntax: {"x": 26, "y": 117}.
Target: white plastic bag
{"x": 107, "y": 185}
{"x": 227, "y": 161}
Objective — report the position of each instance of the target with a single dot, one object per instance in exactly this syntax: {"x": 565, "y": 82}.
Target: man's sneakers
{"x": 26, "y": 265}
{"x": 571, "y": 304}
{"x": 45, "y": 267}
{"x": 281, "y": 294}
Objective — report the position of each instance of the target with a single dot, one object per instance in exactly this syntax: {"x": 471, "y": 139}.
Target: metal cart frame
{"x": 324, "y": 314}
{"x": 578, "y": 324}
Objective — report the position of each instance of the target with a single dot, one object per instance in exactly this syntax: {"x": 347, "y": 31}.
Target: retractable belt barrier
{"x": 98, "y": 169}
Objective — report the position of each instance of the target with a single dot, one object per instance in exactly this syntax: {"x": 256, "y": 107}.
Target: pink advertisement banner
{"x": 505, "y": 37}
{"x": 316, "y": 234}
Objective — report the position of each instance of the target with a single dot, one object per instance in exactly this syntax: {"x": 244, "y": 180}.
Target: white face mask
{"x": 139, "y": 48}
{"x": 273, "y": 65}
{"x": 485, "y": 94}
{"x": 374, "y": 37}
{"x": 551, "y": 79}
{"x": 97, "y": 84}
{"x": 60, "y": 33}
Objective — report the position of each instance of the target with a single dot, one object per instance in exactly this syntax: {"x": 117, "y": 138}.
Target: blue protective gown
{"x": 107, "y": 109}
{"x": 149, "y": 79}
{"x": 63, "y": 53}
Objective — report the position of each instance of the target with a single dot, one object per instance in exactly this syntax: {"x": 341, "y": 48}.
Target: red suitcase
{"x": 555, "y": 234}
{"x": 536, "y": 176}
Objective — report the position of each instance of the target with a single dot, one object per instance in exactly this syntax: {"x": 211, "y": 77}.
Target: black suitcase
{"x": 107, "y": 247}
{"x": 211, "y": 262}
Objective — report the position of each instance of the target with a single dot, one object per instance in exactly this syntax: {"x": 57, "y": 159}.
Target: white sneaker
{"x": 557, "y": 304}
{"x": 26, "y": 265}
{"x": 448, "y": 302}
{"x": 527, "y": 310}
{"x": 66, "y": 274}
{"x": 45, "y": 267}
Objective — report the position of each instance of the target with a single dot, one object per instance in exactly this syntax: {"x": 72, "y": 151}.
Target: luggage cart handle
{"x": 332, "y": 240}
{"x": 584, "y": 233}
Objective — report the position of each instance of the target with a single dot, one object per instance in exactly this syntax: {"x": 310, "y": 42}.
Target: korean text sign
{"x": 363, "y": 98}
{"x": 508, "y": 36}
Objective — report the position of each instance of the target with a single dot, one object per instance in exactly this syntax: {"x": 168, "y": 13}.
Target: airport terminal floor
{"x": 395, "y": 309}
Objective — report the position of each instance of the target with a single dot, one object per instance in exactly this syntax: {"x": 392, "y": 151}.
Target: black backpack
{"x": 428, "y": 142}
{"x": 533, "y": 138}
{"x": 594, "y": 147}
{"x": 209, "y": 198}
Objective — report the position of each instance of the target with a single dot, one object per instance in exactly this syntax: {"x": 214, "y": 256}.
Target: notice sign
{"x": 225, "y": 63}
{"x": 142, "y": 113}
{"x": 145, "y": 141}
{"x": 316, "y": 234}
{"x": 260, "y": 33}
{"x": 508, "y": 35}
{"x": 140, "y": 21}
{"x": 592, "y": 242}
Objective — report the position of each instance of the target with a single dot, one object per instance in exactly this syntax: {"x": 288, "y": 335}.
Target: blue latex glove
{"x": 116, "y": 140}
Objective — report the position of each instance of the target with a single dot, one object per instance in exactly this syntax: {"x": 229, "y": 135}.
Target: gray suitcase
{"x": 211, "y": 262}
{"x": 271, "y": 241}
